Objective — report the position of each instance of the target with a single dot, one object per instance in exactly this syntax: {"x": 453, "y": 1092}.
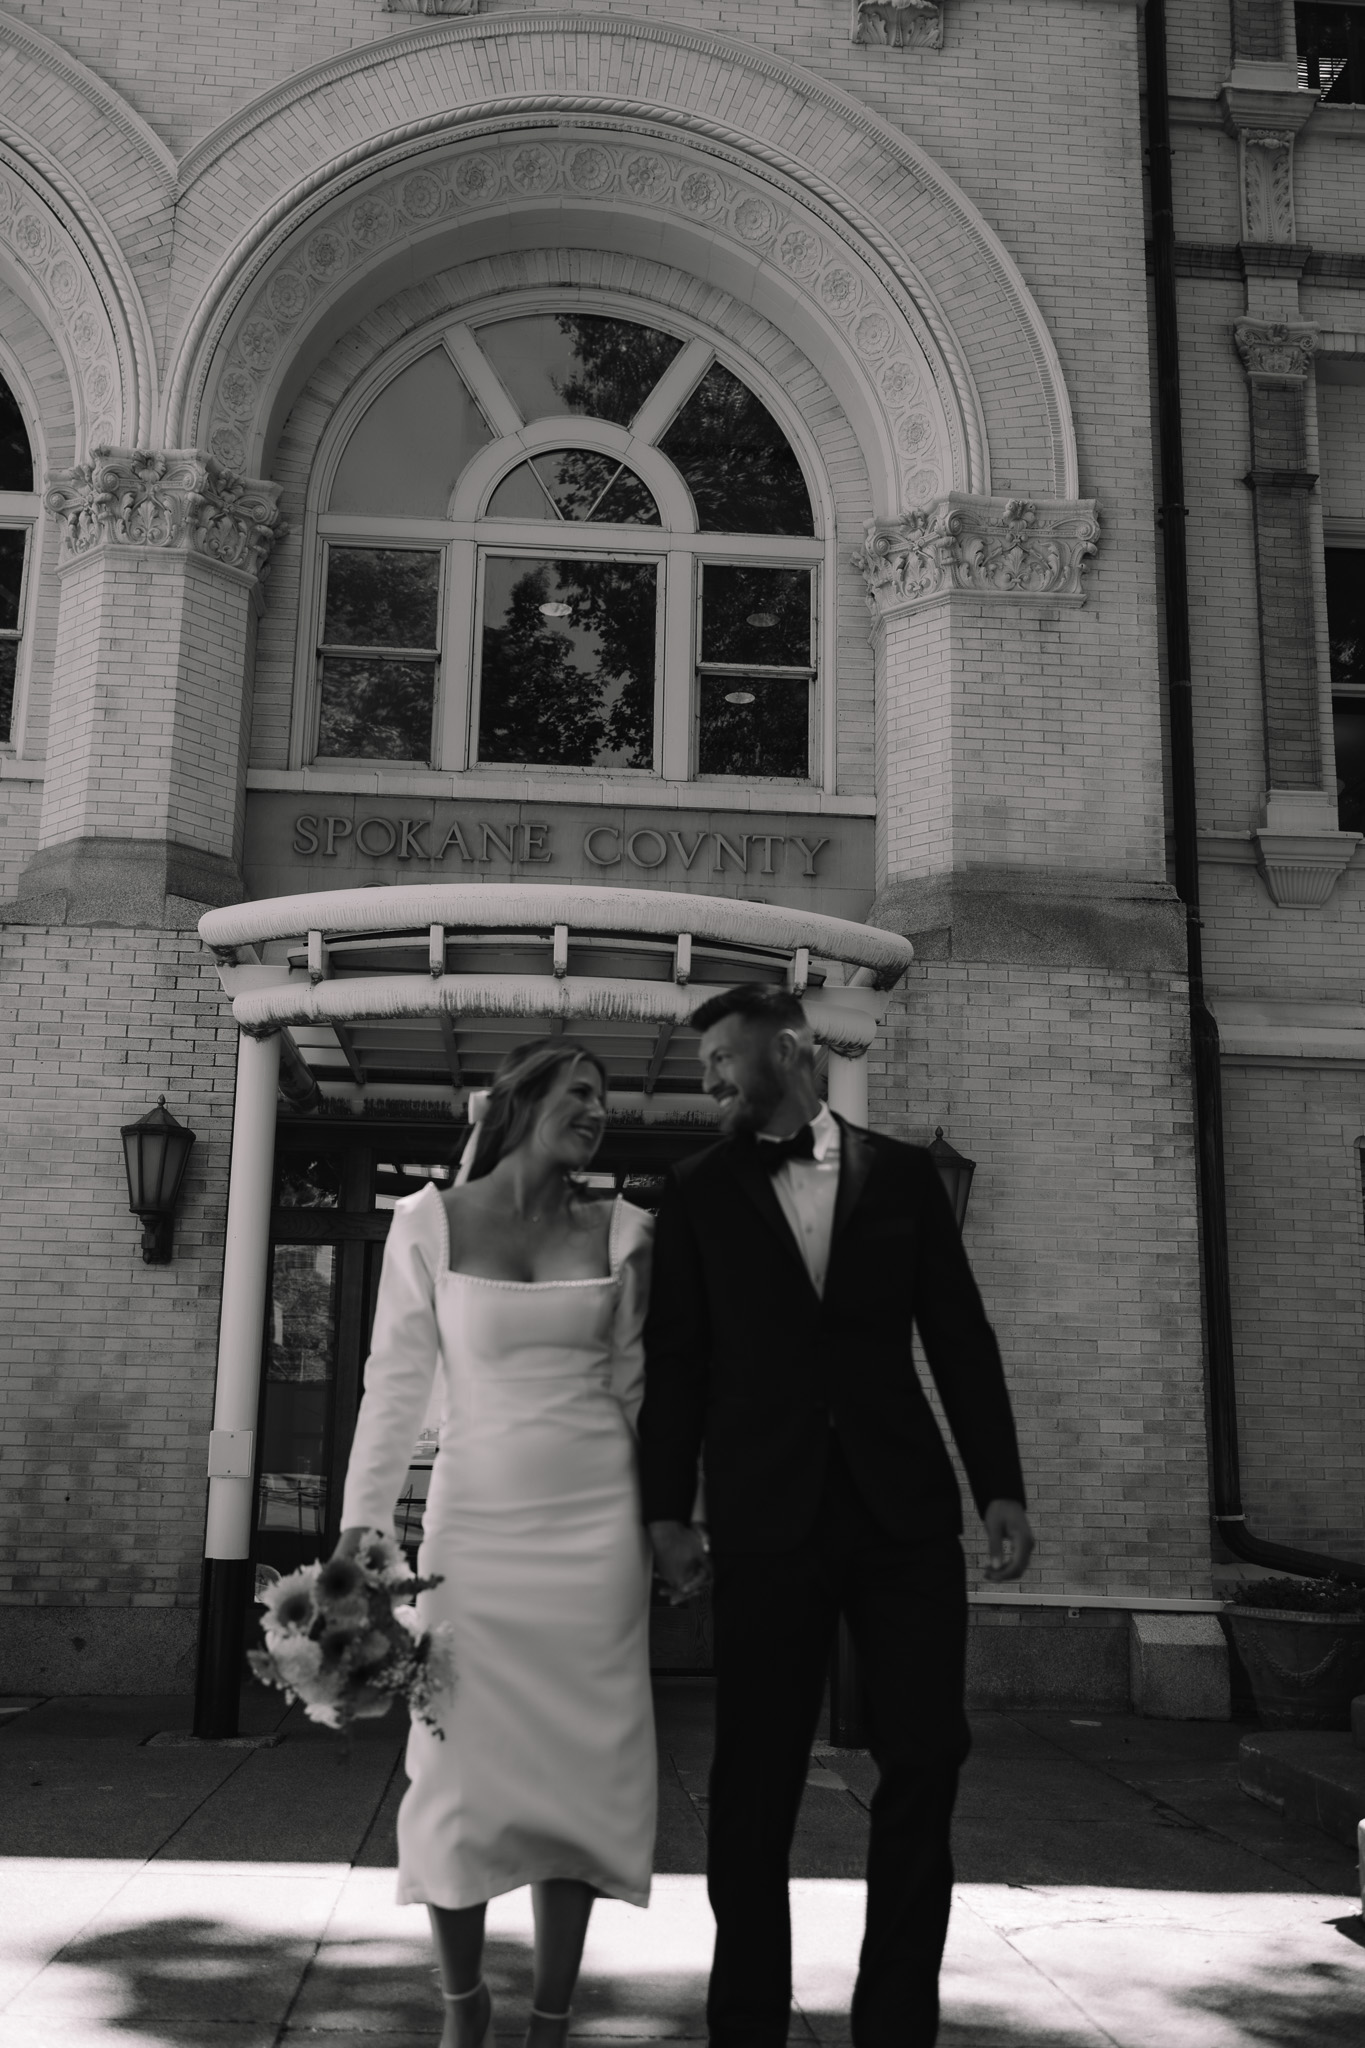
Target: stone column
{"x": 162, "y": 555}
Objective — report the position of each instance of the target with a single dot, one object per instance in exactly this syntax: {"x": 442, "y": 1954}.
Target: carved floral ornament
{"x": 178, "y": 499}
{"x": 991, "y": 547}
{"x": 899, "y": 24}
{"x": 1267, "y": 185}
{"x": 896, "y": 353}
{"x": 1274, "y": 350}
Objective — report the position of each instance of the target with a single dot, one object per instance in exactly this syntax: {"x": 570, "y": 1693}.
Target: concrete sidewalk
{"x": 1114, "y": 1888}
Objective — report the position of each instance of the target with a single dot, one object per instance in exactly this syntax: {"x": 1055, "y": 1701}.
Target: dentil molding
{"x": 991, "y": 547}
{"x": 899, "y": 24}
{"x": 1275, "y": 350}
{"x": 177, "y": 498}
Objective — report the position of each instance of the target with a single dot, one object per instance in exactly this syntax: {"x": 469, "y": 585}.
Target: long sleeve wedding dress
{"x": 545, "y": 1767}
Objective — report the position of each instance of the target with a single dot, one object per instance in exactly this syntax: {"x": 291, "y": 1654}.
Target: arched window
{"x": 18, "y": 511}
{"x": 565, "y": 539}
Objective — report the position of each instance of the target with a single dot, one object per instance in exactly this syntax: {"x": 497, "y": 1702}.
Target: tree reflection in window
{"x": 737, "y": 462}
{"x": 574, "y": 483}
{"x": 378, "y": 653}
{"x": 569, "y": 650}
{"x": 582, "y": 363}
{"x": 298, "y": 1378}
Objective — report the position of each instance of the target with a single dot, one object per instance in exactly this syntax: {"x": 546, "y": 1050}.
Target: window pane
{"x": 577, "y": 362}
{"x": 376, "y": 709}
{"x": 382, "y": 597}
{"x": 304, "y": 1183}
{"x": 758, "y": 615}
{"x": 578, "y": 484}
{"x": 16, "y": 457}
{"x": 569, "y": 651}
{"x": 754, "y": 725}
{"x": 298, "y": 1374}
{"x": 410, "y": 447}
{"x": 13, "y": 540}
{"x": 737, "y": 462}
{"x": 9, "y": 659}
{"x": 1348, "y": 732}
{"x": 1346, "y": 613}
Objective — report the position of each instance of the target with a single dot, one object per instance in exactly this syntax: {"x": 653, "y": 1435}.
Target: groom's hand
{"x": 680, "y": 1553}
{"x": 1010, "y": 1539}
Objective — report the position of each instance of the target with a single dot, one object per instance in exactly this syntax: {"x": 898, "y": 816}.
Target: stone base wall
{"x": 106, "y": 1364}
{"x": 1069, "y": 1088}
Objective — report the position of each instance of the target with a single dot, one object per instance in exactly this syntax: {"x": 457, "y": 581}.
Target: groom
{"x": 790, "y": 1263}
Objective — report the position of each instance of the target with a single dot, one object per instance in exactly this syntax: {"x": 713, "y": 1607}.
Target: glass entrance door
{"x": 336, "y": 1182}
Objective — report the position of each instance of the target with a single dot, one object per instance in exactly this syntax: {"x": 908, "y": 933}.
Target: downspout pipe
{"x": 1224, "y": 1458}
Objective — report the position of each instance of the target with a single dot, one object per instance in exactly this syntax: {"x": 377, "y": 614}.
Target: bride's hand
{"x": 683, "y": 1557}
{"x": 349, "y": 1542}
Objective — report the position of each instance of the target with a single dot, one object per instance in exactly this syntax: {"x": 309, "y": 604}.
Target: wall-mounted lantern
{"x": 955, "y": 1172}
{"x": 156, "y": 1151}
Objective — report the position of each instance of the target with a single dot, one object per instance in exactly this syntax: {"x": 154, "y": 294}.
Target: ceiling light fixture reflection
{"x": 739, "y": 696}
{"x": 763, "y": 619}
{"x": 556, "y": 611}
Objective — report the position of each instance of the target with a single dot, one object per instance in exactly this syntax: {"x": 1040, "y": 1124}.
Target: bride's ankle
{"x": 547, "y": 2029}
{"x": 468, "y": 2017}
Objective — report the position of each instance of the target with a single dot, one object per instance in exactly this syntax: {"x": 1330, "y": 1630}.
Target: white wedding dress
{"x": 547, "y": 1764}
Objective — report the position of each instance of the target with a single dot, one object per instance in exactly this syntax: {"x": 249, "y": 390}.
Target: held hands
{"x": 1010, "y": 1539}
{"x": 682, "y": 1556}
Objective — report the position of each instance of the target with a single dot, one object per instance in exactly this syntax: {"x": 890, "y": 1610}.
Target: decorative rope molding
{"x": 992, "y": 547}
{"x": 899, "y": 24}
{"x": 1275, "y": 351}
{"x": 178, "y": 499}
{"x": 57, "y": 63}
{"x": 431, "y": 6}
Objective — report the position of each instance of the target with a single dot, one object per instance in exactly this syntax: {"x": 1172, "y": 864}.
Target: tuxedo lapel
{"x": 855, "y": 1165}
{"x": 757, "y": 1184}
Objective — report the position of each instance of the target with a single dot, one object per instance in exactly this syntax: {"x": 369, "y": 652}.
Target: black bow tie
{"x": 775, "y": 1152}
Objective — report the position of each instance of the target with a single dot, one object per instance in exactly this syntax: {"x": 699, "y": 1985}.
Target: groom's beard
{"x": 742, "y": 1115}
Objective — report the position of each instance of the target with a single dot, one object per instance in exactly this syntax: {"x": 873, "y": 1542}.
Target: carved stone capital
{"x": 990, "y": 547}
{"x": 175, "y": 498}
{"x": 1275, "y": 350}
{"x": 899, "y": 24}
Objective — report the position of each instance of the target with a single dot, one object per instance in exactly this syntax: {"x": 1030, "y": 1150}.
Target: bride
{"x": 526, "y": 1296}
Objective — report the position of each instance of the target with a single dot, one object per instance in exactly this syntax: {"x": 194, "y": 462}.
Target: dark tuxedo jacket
{"x": 746, "y": 1365}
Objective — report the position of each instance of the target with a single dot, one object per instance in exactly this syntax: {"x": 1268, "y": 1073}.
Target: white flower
{"x": 290, "y": 1603}
{"x": 297, "y": 1659}
{"x": 408, "y": 1617}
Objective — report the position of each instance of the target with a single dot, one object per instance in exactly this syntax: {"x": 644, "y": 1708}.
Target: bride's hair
{"x": 523, "y": 1081}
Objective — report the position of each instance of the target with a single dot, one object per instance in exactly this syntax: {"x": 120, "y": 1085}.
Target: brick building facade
{"x": 908, "y": 249}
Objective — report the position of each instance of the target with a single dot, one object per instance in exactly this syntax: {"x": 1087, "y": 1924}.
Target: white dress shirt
{"x": 807, "y": 1190}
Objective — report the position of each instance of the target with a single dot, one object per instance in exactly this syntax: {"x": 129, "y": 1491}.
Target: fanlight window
{"x": 568, "y": 540}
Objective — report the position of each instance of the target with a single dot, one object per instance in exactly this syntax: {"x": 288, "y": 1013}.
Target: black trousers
{"x": 775, "y": 1617}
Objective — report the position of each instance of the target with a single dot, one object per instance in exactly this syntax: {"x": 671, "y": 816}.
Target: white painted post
{"x": 848, "y": 1087}
{"x": 227, "y": 1543}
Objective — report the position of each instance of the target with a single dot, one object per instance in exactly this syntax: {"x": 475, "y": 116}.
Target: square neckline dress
{"x": 545, "y": 1766}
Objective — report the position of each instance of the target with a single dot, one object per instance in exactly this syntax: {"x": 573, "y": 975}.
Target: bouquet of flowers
{"x": 335, "y": 1639}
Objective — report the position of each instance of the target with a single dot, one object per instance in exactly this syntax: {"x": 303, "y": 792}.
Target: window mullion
{"x": 453, "y": 748}
{"x": 675, "y": 754}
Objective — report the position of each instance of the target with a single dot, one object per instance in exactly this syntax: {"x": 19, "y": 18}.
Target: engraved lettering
{"x": 455, "y": 837}
{"x": 383, "y": 825}
{"x": 809, "y": 850}
{"x": 506, "y": 847}
{"x": 632, "y": 845}
{"x": 738, "y": 854}
{"x": 305, "y": 834}
{"x": 767, "y": 840}
{"x": 335, "y": 828}
{"x": 601, "y": 860}
{"x": 410, "y": 844}
{"x": 687, "y": 854}
{"x": 536, "y": 848}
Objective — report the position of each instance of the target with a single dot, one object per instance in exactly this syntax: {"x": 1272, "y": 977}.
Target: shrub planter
{"x": 1302, "y": 1670}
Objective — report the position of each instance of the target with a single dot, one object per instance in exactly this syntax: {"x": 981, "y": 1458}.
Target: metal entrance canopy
{"x": 422, "y": 988}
